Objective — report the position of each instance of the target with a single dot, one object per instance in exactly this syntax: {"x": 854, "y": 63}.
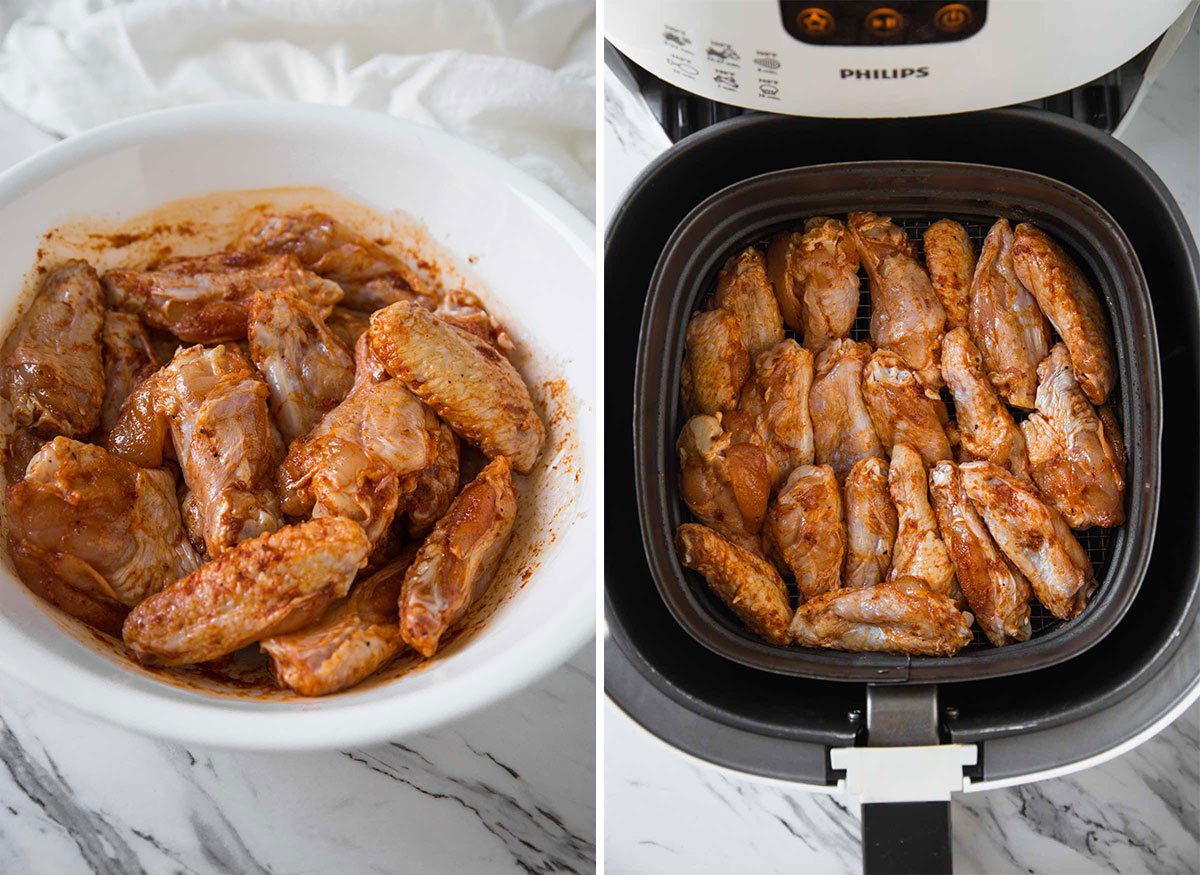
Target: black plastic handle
{"x": 899, "y": 838}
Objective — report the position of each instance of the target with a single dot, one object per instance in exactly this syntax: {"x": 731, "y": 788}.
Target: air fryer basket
{"x": 914, "y": 193}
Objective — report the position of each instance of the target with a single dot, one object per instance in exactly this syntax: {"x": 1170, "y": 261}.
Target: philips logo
{"x": 894, "y": 73}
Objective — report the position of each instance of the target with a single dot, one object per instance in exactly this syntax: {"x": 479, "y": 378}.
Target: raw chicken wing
{"x": 715, "y": 364}
{"x": 271, "y": 585}
{"x": 53, "y": 365}
{"x": 464, "y": 311}
{"x": 1077, "y": 456}
{"x": 205, "y": 299}
{"x": 1034, "y": 537}
{"x": 902, "y": 409}
{"x": 986, "y": 428}
{"x": 773, "y": 411}
{"x": 906, "y": 315}
{"x": 465, "y": 379}
{"x": 456, "y": 562}
{"x": 997, "y": 593}
{"x": 434, "y": 487}
{"x": 1005, "y": 322}
{"x": 306, "y": 368}
{"x": 348, "y": 325}
{"x": 743, "y": 580}
{"x": 804, "y": 529}
{"x": 919, "y": 551}
{"x": 129, "y": 358}
{"x": 815, "y": 277}
{"x": 903, "y": 616}
{"x": 725, "y": 484}
{"x": 95, "y": 534}
{"x": 842, "y": 429}
{"x": 950, "y": 259}
{"x": 745, "y": 291}
{"x": 870, "y": 524}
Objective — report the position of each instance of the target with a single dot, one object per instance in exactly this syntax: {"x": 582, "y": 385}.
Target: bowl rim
{"x": 232, "y": 723}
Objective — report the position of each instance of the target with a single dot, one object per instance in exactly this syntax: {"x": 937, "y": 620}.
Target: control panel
{"x": 853, "y": 23}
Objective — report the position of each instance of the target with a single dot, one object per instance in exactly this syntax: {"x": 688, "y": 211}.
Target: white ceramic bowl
{"x": 533, "y": 253}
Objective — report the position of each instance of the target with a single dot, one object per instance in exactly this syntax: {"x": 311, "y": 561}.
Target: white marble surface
{"x": 1140, "y": 813}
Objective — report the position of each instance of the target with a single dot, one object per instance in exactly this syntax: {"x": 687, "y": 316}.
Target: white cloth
{"x": 516, "y": 77}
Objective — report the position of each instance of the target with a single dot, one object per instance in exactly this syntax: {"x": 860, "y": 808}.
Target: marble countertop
{"x": 666, "y": 812}
{"x": 510, "y": 788}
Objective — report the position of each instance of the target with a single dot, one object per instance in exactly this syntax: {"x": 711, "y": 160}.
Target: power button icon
{"x": 952, "y": 18}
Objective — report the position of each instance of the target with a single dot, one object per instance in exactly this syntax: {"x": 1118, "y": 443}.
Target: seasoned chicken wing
{"x": 1005, "y": 322}
{"x": 986, "y": 428}
{"x": 464, "y": 311}
{"x": 715, "y": 363}
{"x": 919, "y": 551}
{"x": 842, "y": 429}
{"x": 206, "y": 299}
{"x": 725, "y": 484}
{"x": 902, "y": 410}
{"x": 1071, "y": 304}
{"x": 214, "y": 409}
{"x": 870, "y": 524}
{"x": 815, "y": 277}
{"x": 950, "y": 259}
{"x": 434, "y": 486}
{"x": 772, "y": 412}
{"x": 1034, "y": 537}
{"x": 465, "y": 379}
{"x": 271, "y": 585}
{"x": 1077, "y": 456}
{"x": 129, "y": 358}
{"x": 22, "y": 446}
{"x": 906, "y": 315}
{"x": 53, "y": 361}
{"x": 306, "y": 368}
{"x": 455, "y": 564}
{"x": 363, "y": 455}
{"x": 804, "y": 529}
{"x": 743, "y": 580}
{"x": 997, "y": 593}
{"x": 348, "y": 325}
{"x": 745, "y": 291}
{"x": 902, "y": 616}
{"x": 371, "y": 276}
{"x": 354, "y": 639}
{"x": 95, "y": 534}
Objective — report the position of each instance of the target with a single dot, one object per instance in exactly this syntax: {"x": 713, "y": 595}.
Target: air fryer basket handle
{"x": 906, "y": 837}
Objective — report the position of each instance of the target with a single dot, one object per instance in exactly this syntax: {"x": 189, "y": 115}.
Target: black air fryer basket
{"x": 914, "y": 193}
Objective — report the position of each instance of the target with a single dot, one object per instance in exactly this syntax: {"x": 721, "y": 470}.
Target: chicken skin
{"x": 465, "y": 379}
{"x": 354, "y": 639}
{"x": 906, "y": 315}
{"x": 1034, "y": 537}
{"x": 903, "y": 616}
{"x": 1005, "y": 321}
{"x": 920, "y": 551}
{"x": 347, "y": 325}
{"x": 455, "y": 564}
{"x": 53, "y": 360}
{"x": 371, "y": 276}
{"x": 1077, "y": 456}
{"x": 213, "y": 408}
{"x": 842, "y": 429}
{"x": 744, "y": 289}
{"x": 950, "y": 260}
{"x": 434, "y": 487}
{"x": 306, "y": 368}
{"x": 773, "y": 410}
{"x": 129, "y": 358}
{"x": 22, "y": 446}
{"x": 724, "y": 483}
{"x": 715, "y": 364}
{"x": 815, "y": 277}
{"x": 743, "y": 580}
{"x": 95, "y": 534}
{"x": 902, "y": 410}
{"x": 986, "y": 428}
{"x": 804, "y": 529}
{"x": 206, "y": 299}
{"x": 271, "y": 585}
{"x": 465, "y": 312}
{"x": 1071, "y": 304}
{"x": 997, "y": 593}
{"x": 870, "y": 524}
